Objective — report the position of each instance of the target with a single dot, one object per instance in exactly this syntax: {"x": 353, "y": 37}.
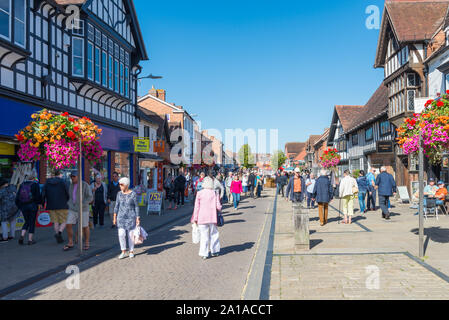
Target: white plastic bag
{"x": 139, "y": 235}
{"x": 196, "y": 236}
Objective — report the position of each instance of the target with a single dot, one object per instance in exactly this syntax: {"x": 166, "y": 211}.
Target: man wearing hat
{"x": 431, "y": 189}
{"x": 441, "y": 193}
{"x": 296, "y": 187}
{"x": 74, "y": 207}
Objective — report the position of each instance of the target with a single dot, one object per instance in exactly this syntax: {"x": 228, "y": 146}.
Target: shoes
{"x": 204, "y": 258}
{"x": 122, "y": 256}
{"x": 59, "y": 238}
{"x": 131, "y": 255}
{"x": 112, "y": 227}
{"x": 3, "y": 240}
{"x": 21, "y": 240}
{"x": 32, "y": 242}
{"x": 215, "y": 254}
{"x": 387, "y": 217}
{"x": 10, "y": 238}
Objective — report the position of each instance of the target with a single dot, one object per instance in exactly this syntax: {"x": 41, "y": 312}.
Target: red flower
{"x": 440, "y": 104}
{"x": 19, "y": 137}
{"x": 447, "y": 91}
{"x": 428, "y": 103}
{"x": 70, "y": 134}
{"x": 76, "y": 129}
{"x": 71, "y": 119}
{"x": 65, "y": 114}
{"x": 63, "y": 126}
{"x": 412, "y": 122}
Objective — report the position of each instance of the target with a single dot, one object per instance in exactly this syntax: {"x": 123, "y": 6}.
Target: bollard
{"x": 301, "y": 223}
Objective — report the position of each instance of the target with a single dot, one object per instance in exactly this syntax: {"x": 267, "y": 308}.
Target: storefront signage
{"x": 154, "y": 201}
{"x": 159, "y": 146}
{"x": 142, "y": 145}
{"x": 385, "y": 147}
{"x": 7, "y": 149}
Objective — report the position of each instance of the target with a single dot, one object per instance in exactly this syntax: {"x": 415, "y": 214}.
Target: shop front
{"x": 151, "y": 172}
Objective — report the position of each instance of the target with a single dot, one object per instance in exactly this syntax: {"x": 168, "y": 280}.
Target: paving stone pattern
{"x": 348, "y": 262}
{"x": 168, "y": 266}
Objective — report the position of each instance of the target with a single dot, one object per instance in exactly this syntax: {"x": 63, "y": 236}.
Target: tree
{"x": 246, "y": 158}
{"x": 278, "y": 160}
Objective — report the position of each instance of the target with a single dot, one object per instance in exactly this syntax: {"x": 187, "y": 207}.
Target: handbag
{"x": 220, "y": 219}
{"x": 196, "y": 236}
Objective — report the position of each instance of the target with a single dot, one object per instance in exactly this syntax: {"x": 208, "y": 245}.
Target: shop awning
{"x": 149, "y": 157}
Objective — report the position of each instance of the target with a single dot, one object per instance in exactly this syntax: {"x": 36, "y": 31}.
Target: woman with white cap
{"x": 126, "y": 216}
{"x": 207, "y": 204}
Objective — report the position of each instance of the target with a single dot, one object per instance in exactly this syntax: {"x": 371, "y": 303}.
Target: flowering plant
{"x": 433, "y": 124}
{"x": 330, "y": 158}
{"x": 56, "y": 137}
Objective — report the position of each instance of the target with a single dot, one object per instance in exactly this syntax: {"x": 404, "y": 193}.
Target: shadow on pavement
{"x": 436, "y": 234}
{"x": 251, "y": 207}
{"x": 234, "y": 221}
{"x": 233, "y": 214}
{"x": 159, "y": 249}
{"x": 315, "y": 242}
{"x": 237, "y": 248}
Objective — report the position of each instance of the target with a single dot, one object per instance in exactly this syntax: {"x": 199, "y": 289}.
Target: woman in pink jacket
{"x": 207, "y": 204}
{"x": 236, "y": 190}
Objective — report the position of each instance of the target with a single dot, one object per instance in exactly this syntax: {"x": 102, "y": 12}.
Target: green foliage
{"x": 246, "y": 158}
{"x": 278, "y": 160}
{"x": 356, "y": 174}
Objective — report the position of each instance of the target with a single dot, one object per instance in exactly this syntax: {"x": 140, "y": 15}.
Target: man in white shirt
{"x": 310, "y": 184}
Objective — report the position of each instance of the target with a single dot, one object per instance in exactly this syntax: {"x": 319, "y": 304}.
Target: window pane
{"x": 19, "y": 32}
{"x": 104, "y": 65}
{"x": 116, "y": 75}
{"x": 97, "y": 65}
{"x": 111, "y": 71}
{"x": 4, "y": 24}
{"x": 4, "y": 5}
{"x": 78, "y": 66}
{"x": 19, "y": 10}
{"x": 90, "y": 60}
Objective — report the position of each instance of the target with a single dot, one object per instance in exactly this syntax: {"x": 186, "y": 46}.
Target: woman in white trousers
{"x": 207, "y": 204}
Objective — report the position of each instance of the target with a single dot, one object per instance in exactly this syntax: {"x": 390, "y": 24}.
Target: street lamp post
{"x": 421, "y": 197}
{"x": 80, "y": 198}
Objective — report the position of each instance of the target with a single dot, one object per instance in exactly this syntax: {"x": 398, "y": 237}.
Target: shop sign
{"x": 7, "y": 149}
{"x": 43, "y": 219}
{"x": 142, "y": 145}
{"x": 154, "y": 201}
{"x": 385, "y": 147}
{"x": 159, "y": 146}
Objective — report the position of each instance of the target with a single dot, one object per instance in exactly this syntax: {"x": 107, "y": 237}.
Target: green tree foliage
{"x": 278, "y": 160}
{"x": 246, "y": 158}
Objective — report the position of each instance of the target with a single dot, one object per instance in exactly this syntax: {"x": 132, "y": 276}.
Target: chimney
{"x": 161, "y": 94}
{"x": 153, "y": 92}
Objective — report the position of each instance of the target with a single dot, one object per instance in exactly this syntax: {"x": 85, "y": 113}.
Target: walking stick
{"x": 339, "y": 210}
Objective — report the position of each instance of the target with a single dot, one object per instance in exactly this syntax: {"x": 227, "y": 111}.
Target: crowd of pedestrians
{"x": 303, "y": 187}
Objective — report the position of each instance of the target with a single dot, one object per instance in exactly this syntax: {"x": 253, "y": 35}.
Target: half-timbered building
{"x": 76, "y": 56}
{"x": 406, "y": 31}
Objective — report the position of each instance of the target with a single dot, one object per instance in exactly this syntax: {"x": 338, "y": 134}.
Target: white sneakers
{"x": 123, "y": 255}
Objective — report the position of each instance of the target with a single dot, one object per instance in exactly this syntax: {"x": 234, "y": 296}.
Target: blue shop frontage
{"x": 118, "y": 155}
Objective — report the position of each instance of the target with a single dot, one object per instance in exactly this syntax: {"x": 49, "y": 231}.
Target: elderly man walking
{"x": 348, "y": 189}
{"x": 386, "y": 187}
{"x": 323, "y": 193}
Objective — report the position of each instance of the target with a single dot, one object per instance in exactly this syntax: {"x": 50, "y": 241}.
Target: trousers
{"x": 383, "y": 203}
{"x": 98, "y": 211}
{"x": 122, "y": 239}
{"x": 12, "y": 228}
{"x": 323, "y": 209}
{"x": 310, "y": 202}
{"x": 371, "y": 202}
{"x": 209, "y": 239}
{"x": 348, "y": 206}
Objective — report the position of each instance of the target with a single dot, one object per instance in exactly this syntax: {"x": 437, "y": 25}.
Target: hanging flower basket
{"x": 433, "y": 124}
{"x": 56, "y": 138}
{"x": 330, "y": 159}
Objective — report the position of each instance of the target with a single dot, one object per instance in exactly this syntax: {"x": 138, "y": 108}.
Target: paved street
{"x": 167, "y": 266}
{"x": 370, "y": 259}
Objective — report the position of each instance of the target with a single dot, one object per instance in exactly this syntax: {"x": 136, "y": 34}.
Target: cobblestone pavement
{"x": 168, "y": 266}
{"x": 365, "y": 260}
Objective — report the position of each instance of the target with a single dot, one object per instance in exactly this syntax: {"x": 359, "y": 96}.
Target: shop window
{"x": 369, "y": 134}
{"x": 385, "y": 128}
{"x": 122, "y": 162}
{"x": 101, "y": 167}
{"x": 355, "y": 139}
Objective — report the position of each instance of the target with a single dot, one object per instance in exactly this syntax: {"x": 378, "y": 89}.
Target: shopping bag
{"x": 196, "y": 236}
{"x": 43, "y": 219}
{"x": 139, "y": 235}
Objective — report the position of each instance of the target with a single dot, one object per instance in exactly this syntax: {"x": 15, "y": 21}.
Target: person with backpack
{"x": 55, "y": 195}
{"x": 167, "y": 183}
{"x": 8, "y": 209}
{"x": 28, "y": 200}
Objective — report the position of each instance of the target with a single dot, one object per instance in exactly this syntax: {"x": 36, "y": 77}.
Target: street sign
{"x": 141, "y": 145}
{"x": 154, "y": 201}
{"x": 385, "y": 147}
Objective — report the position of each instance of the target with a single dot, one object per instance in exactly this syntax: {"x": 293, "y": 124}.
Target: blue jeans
{"x": 362, "y": 205}
{"x": 236, "y": 197}
{"x": 371, "y": 202}
{"x": 310, "y": 202}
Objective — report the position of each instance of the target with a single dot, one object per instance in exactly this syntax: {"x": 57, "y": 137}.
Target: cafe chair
{"x": 431, "y": 207}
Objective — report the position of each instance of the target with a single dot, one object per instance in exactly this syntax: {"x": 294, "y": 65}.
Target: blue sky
{"x": 261, "y": 64}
